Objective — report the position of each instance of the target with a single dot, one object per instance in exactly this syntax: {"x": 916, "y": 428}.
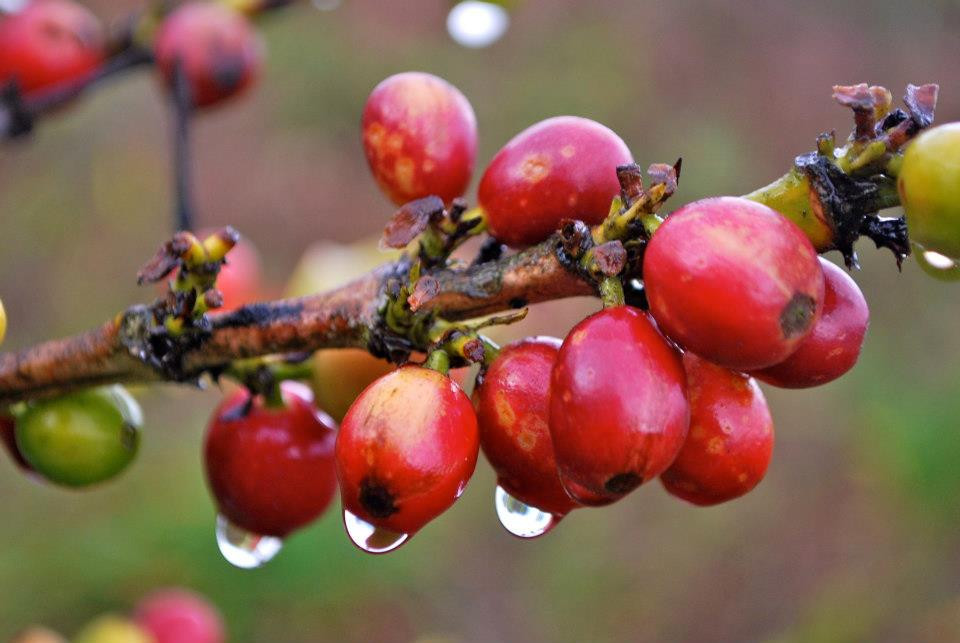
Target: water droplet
{"x": 369, "y": 538}
{"x": 327, "y": 5}
{"x": 937, "y": 265}
{"x": 520, "y": 519}
{"x": 477, "y": 24}
{"x": 244, "y": 549}
{"x": 938, "y": 261}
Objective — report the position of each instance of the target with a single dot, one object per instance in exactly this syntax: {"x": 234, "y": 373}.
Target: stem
{"x": 439, "y": 361}
{"x": 182, "y": 111}
{"x": 611, "y": 292}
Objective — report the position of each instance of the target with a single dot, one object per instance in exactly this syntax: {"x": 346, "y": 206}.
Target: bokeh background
{"x": 853, "y": 536}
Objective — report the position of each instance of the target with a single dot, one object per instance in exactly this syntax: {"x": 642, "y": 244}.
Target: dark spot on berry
{"x": 376, "y": 500}
{"x": 623, "y": 483}
{"x": 797, "y": 315}
{"x": 518, "y": 302}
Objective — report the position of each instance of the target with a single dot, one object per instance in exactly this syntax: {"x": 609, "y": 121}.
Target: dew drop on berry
{"x": 521, "y": 519}
{"x": 370, "y": 538}
{"x": 938, "y": 261}
{"x": 244, "y": 549}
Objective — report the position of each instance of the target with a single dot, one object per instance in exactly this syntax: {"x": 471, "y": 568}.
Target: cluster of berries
{"x": 50, "y": 44}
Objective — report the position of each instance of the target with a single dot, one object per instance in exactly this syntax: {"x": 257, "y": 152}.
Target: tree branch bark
{"x": 343, "y": 317}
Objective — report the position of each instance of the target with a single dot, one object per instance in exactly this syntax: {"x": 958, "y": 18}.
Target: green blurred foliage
{"x": 853, "y": 535}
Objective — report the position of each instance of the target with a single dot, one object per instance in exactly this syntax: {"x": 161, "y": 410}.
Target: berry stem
{"x": 611, "y": 292}
{"x": 184, "y": 206}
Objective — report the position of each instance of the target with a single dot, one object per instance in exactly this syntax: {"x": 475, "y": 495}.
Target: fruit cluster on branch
{"x": 698, "y": 305}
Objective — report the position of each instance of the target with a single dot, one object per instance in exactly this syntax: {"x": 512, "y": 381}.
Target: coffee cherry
{"x": 406, "y": 449}
{"x": 37, "y": 634}
{"x": 82, "y": 438}
{"x": 179, "y": 616}
{"x": 271, "y": 469}
{"x": 111, "y": 628}
{"x": 8, "y": 437}
{"x": 217, "y": 49}
{"x": 833, "y": 346}
{"x": 618, "y": 411}
{"x": 928, "y": 186}
{"x": 734, "y": 282}
{"x": 47, "y": 43}
{"x": 420, "y": 137}
{"x": 731, "y": 436}
{"x": 563, "y": 167}
{"x": 513, "y": 410}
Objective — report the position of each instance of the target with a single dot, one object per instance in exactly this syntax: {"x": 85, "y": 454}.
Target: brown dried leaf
{"x": 610, "y": 257}
{"x": 426, "y": 288}
{"x": 921, "y": 102}
{"x": 410, "y": 220}
{"x": 631, "y": 183}
{"x": 667, "y": 175}
{"x": 166, "y": 260}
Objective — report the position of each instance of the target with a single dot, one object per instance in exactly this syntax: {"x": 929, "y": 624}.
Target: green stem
{"x": 611, "y": 292}
{"x": 439, "y": 361}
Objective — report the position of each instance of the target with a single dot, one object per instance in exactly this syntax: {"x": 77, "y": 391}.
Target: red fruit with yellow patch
{"x": 734, "y": 282}
{"x": 561, "y": 168}
{"x": 271, "y": 470}
{"x": 833, "y": 346}
{"x": 728, "y": 449}
{"x": 420, "y": 137}
{"x": 47, "y": 43}
{"x": 216, "y": 47}
{"x": 406, "y": 449}
{"x": 618, "y": 408}
{"x": 513, "y": 411}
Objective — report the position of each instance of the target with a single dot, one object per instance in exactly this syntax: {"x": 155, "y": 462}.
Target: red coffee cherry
{"x": 420, "y": 137}
{"x": 218, "y": 50}
{"x": 833, "y": 346}
{"x": 180, "y": 616}
{"x": 560, "y": 168}
{"x": 618, "y": 409}
{"x": 271, "y": 469}
{"x": 47, "y": 43}
{"x": 513, "y": 411}
{"x": 731, "y": 436}
{"x": 734, "y": 282}
{"x": 405, "y": 451}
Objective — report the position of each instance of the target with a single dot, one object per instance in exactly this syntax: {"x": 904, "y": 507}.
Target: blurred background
{"x": 853, "y": 536}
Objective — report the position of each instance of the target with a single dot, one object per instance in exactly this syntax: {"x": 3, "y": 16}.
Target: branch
{"x": 345, "y": 317}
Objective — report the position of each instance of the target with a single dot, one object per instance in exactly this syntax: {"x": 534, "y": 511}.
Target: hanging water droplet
{"x": 938, "y": 261}
{"x": 369, "y": 538}
{"x": 244, "y": 549}
{"x": 477, "y": 24}
{"x": 520, "y": 519}
{"x": 937, "y": 265}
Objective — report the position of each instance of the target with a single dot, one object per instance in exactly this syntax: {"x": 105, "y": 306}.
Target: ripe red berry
{"x": 406, "y": 449}
{"x": 734, "y": 282}
{"x": 731, "y": 436}
{"x": 618, "y": 410}
{"x": 47, "y": 43}
{"x": 513, "y": 411}
{"x": 563, "y": 167}
{"x": 833, "y": 346}
{"x": 420, "y": 137}
{"x": 271, "y": 469}
{"x": 179, "y": 616}
{"x": 218, "y": 50}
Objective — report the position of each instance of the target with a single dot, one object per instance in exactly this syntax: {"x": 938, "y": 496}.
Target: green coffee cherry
{"x": 82, "y": 438}
{"x": 929, "y": 186}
